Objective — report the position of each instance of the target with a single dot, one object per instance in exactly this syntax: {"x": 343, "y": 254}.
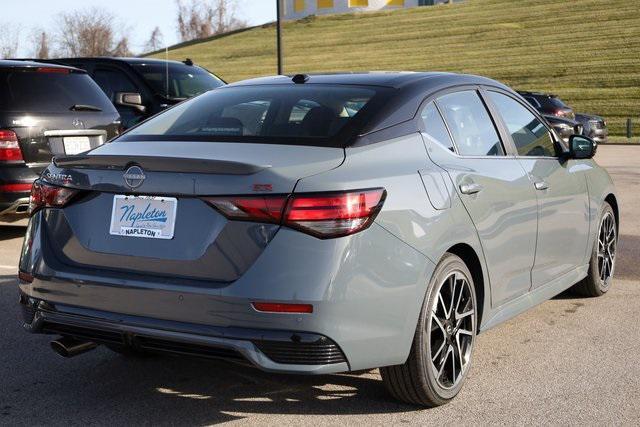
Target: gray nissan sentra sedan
{"x": 320, "y": 224}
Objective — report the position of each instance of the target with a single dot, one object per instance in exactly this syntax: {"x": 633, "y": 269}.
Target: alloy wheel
{"x": 607, "y": 240}
{"x": 451, "y": 330}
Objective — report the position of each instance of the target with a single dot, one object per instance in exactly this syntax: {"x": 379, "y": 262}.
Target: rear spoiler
{"x": 158, "y": 164}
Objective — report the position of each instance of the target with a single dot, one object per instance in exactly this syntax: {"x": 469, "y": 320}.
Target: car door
{"x": 493, "y": 187}
{"x": 112, "y": 81}
{"x": 560, "y": 186}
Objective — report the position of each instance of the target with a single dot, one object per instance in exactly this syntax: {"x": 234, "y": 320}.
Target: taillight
{"x": 260, "y": 209}
{"x": 44, "y": 195}
{"x": 335, "y": 214}
{"x": 323, "y": 215}
{"x": 9, "y": 147}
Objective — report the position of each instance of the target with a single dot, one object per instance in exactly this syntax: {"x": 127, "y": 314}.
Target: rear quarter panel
{"x": 407, "y": 214}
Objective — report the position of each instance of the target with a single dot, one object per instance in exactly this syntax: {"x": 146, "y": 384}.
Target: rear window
{"x": 312, "y": 114}
{"x": 47, "y": 92}
{"x": 552, "y": 101}
{"x": 177, "y": 81}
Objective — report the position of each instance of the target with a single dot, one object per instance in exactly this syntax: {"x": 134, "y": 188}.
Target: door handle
{"x": 472, "y": 188}
{"x": 541, "y": 185}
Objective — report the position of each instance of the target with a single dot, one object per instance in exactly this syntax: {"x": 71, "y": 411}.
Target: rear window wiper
{"x": 84, "y": 107}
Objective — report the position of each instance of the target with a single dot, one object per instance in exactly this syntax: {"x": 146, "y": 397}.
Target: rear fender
{"x": 408, "y": 214}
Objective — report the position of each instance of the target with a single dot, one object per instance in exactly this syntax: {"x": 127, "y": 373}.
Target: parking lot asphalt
{"x": 568, "y": 361}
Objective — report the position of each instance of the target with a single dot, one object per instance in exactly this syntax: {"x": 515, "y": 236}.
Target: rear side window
{"x": 49, "y": 92}
{"x": 434, "y": 127}
{"x": 551, "y": 102}
{"x": 312, "y": 114}
{"x": 530, "y": 136}
{"x": 473, "y": 130}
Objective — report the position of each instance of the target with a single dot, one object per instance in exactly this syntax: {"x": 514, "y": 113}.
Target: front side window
{"x": 473, "y": 130}
{"x": 312, "y": 114}
{"x": 434, "y": 127}
{"x": 531, "y": 137}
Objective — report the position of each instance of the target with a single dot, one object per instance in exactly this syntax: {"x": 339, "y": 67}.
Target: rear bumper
{"x": 366, "y": 291}
{"x": 16, "y": 211}
{"x": 14, "y": 205}
{"x": 270, "y": 350}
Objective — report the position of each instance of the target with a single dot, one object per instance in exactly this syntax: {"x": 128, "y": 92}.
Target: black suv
{"x": 142, "y": 87}
{"x": 45, "y": 110}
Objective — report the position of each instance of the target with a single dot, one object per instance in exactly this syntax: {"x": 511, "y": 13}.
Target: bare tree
{"x": 41, "y": 49}
{"x": 203, "y": 18}
{"x": 9, "y": 40}
{"x": 90, "y": 32}
{"x": 155, "y": 41}
{"x": 122, "y": 48}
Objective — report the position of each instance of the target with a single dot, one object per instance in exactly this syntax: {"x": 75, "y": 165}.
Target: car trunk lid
{"x": 205, "y": 245}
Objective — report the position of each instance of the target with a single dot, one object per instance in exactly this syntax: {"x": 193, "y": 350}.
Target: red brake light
{"x": 15, "y": 188}
{"x": 44, "y": 195}
{"x": 274, "y": 307}
{"x": 53, "y": 70}
{"x": 323, "y": 215}
{"x": 9, "y": 147}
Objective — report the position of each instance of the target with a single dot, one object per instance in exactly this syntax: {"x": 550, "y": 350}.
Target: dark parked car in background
{"x": 595, "y": 127}
{"x": 564, "y": 127}
{"x": 45, "y": 110}
{"x": 142, "y": 87}
{"x": 550, "y": 105}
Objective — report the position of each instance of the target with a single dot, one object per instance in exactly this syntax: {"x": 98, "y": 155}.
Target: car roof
{"x": 127, "y": 60}
{"x": 18, "y": 63}
{"x": 391, "y": 79}
{"x": 404, "y": 91}
{"x": 527, "y": 93}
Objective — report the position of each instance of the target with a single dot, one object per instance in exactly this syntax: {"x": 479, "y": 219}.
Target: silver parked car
{"x": 320, "y": 224}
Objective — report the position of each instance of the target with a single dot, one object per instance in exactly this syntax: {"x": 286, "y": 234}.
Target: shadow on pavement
{"x": 8, "y": 232}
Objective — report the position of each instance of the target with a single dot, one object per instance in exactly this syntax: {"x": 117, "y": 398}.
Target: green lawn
{"x": 586, "y": 51}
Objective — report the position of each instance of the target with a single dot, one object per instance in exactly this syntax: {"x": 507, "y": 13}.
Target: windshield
{"x": 185, "y": 81}
{"x": 295, "y": 114}
{"x": 45, "y": 92}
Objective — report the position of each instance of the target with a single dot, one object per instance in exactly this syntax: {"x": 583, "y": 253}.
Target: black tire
{"x": 415, "y": 381}
{"x": 599, "y": 280}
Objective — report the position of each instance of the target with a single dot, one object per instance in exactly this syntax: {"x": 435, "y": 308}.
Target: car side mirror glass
{"x": 581, "y": 147}
{"x": 130, "y": 99}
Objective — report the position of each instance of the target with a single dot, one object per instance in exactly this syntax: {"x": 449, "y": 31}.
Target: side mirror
{"x": 581, "y": 147}
{"x": 130, "y": 99}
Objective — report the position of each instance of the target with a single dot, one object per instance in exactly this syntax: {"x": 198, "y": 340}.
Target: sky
{"x": 139, "y": 17}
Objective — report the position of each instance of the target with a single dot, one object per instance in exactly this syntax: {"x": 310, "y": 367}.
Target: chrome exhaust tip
{"x": 70, "y": 347}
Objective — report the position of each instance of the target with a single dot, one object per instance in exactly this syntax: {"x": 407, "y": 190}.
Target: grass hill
{"x": 586, "y": 51}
